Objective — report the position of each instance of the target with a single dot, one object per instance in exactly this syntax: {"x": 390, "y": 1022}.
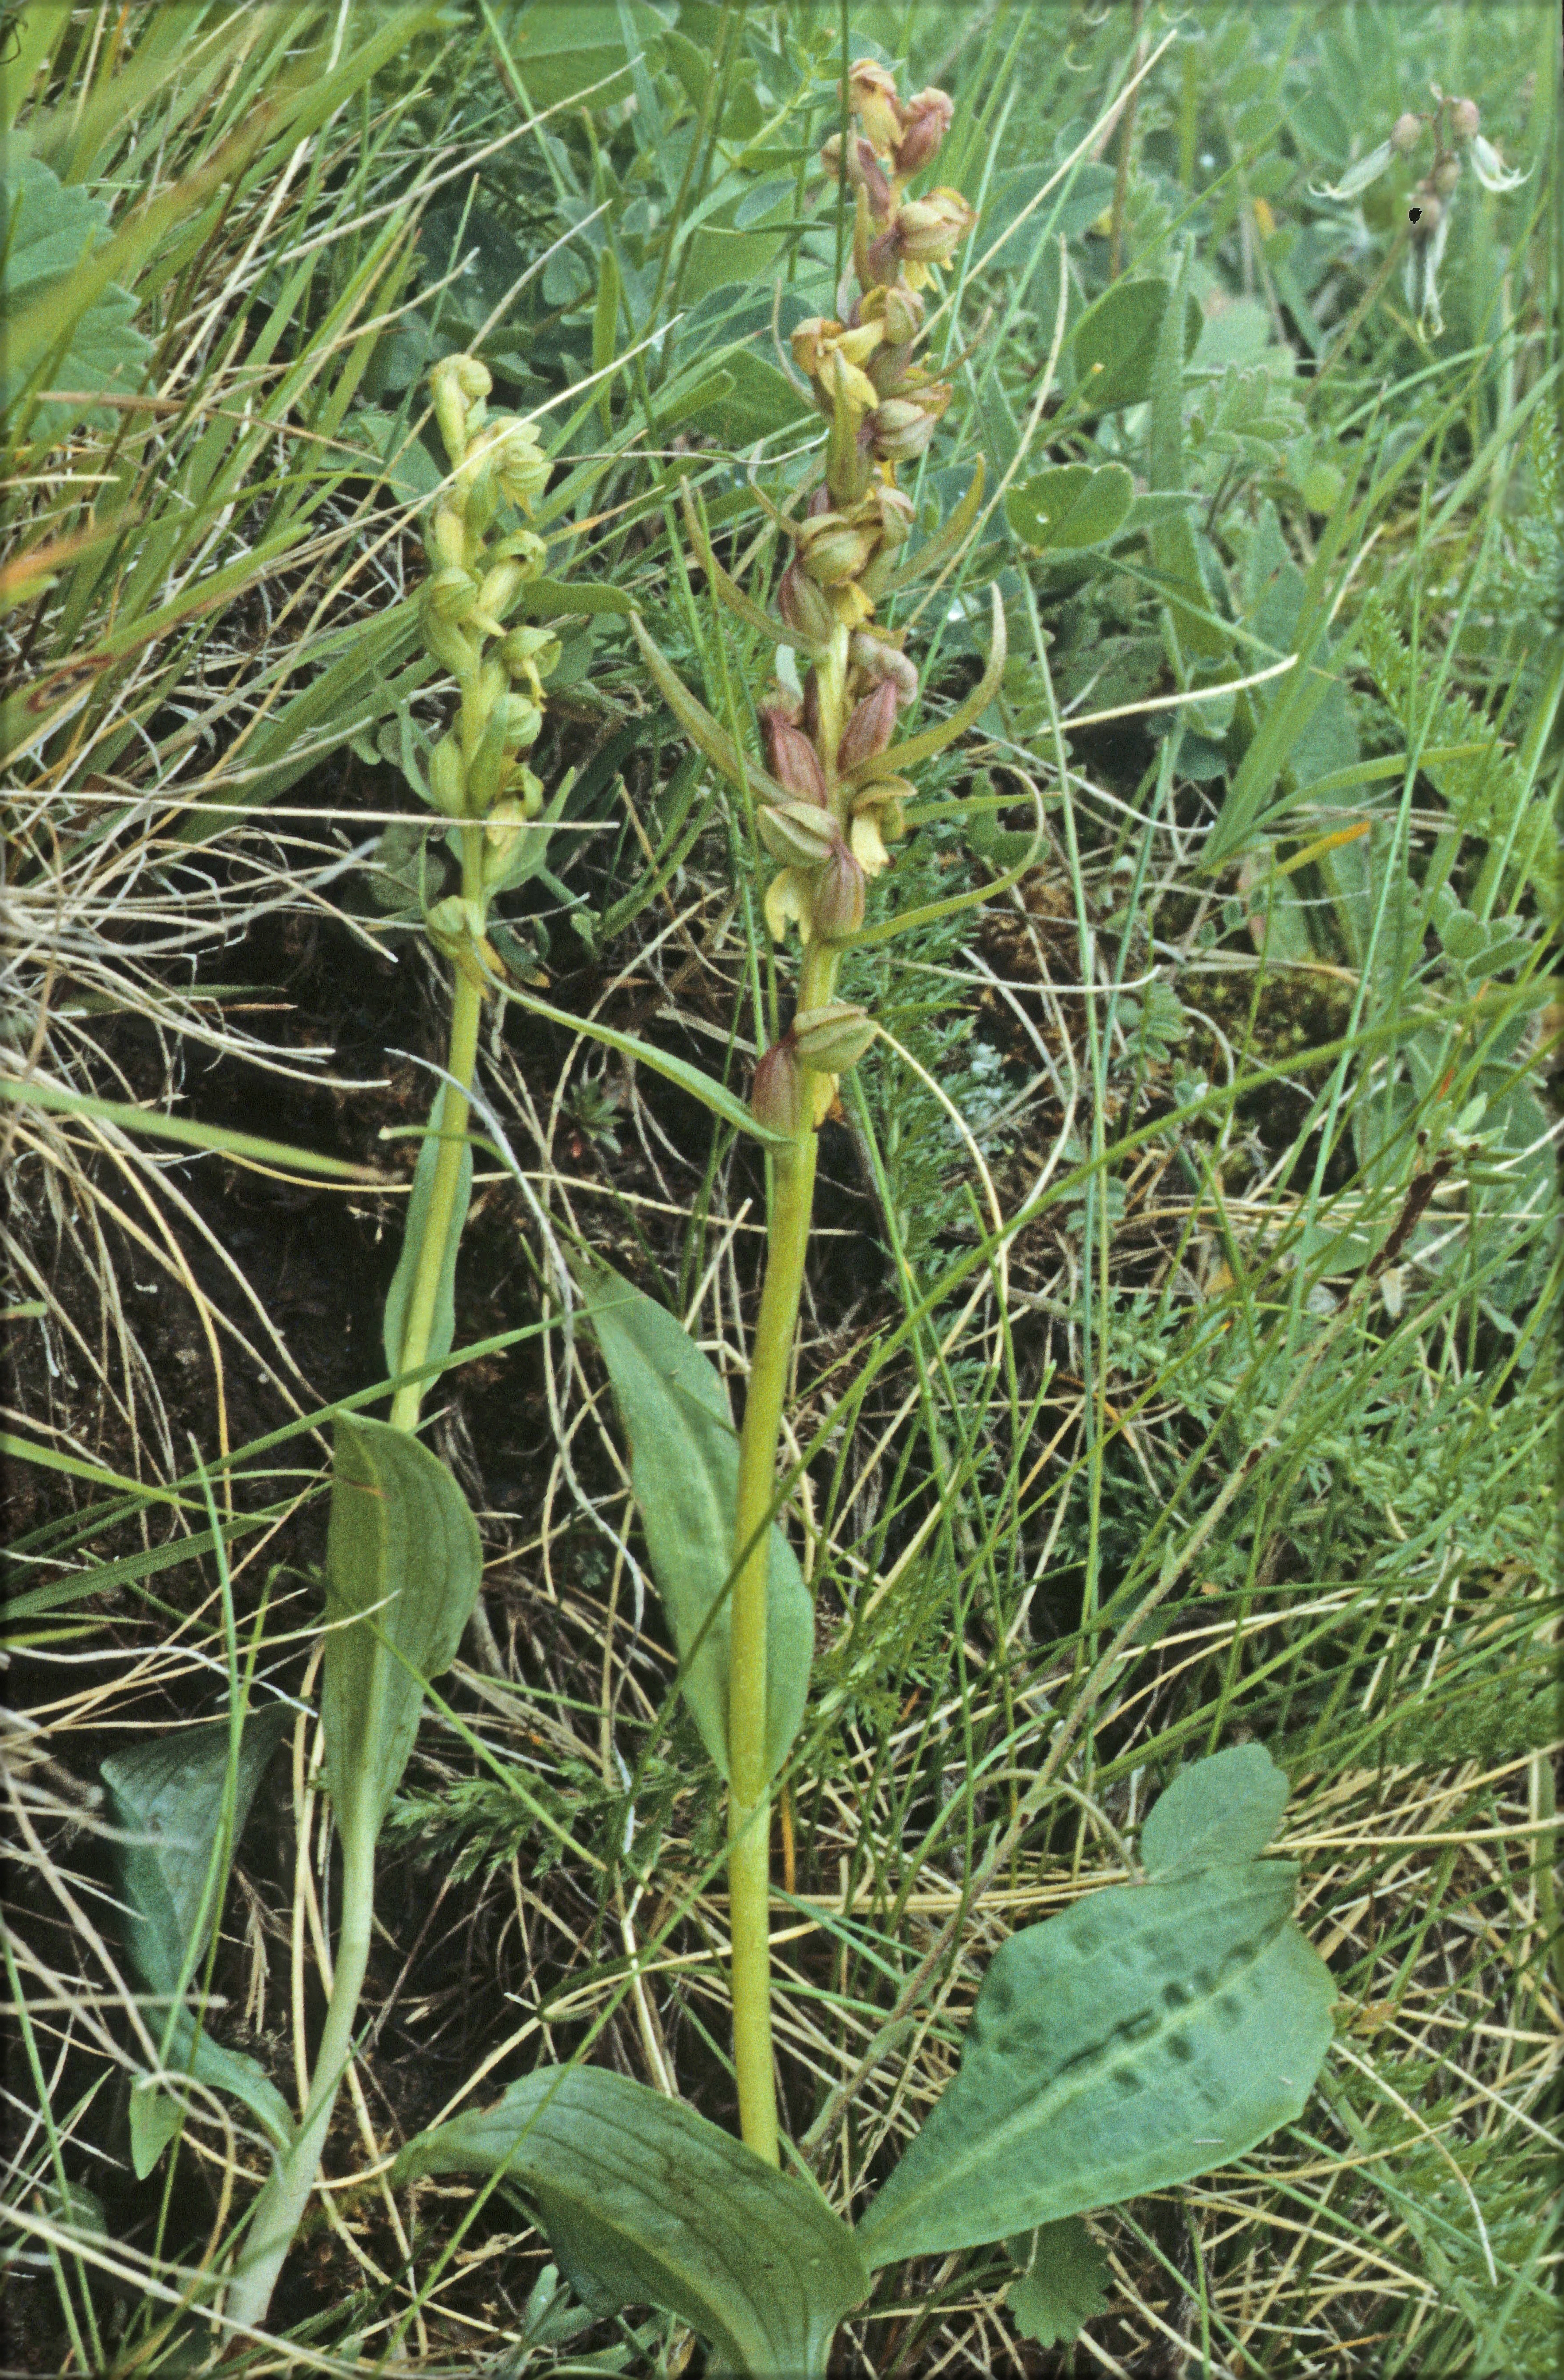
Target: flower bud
{"x": 839, "y": 896}
{"x": 1430, "y": 214}
{"x": 500, "y": 830}
{"x": 523, "y": 721}
{"x": 499, "y": 588}
{"x": 530, "y": 653}
{"x": 776, "y": 1097}
{"x": 1465, "y": 119}
{"x": 903, "y": 314}
{"x": 929, "y": 231}
{"x": 1405, "y": 134}
{"x": 1445, "y": 174}
{"x": 900, "y": 431}
{"x": 794, "y": 763}
{"x": 447, "y": 778}
{"x": 450, "y": 595}
{"x": 871, "y": 94}
{"x": 871, "y": 728}
{"x": 447, "y": 539}
{"x": 520, "y": 465}
{"x": 449, "y": 644}
{"x": 835, "y": 552}
{"x": 830, "y": 1039}
{"x": 803, "y": 606}
{"x": 879, "y": 659}
{"x": 801, "y": 834}
{"x": 926, "y": 120}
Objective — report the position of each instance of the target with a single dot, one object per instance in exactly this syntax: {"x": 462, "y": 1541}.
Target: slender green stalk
{"x": 279, "y": 2210}
{"x": 749, "y": 1829}
{"x": 466, "y": 1015}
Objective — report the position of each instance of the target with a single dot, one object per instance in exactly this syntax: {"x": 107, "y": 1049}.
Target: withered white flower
{"x": 1491, "y": 169}
{"x": 1359, "y": 177}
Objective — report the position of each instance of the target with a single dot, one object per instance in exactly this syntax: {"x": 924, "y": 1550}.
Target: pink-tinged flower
{"x": 776, "y": 1097}
{"x": 879, "y": 657}
{"x": 832, "y": 552}
{"x": 871, "y": 94}
{"x": 926, "y": 119}
{"x": 831, "y": 1039}
{"x": 801, "y": 834}
{"x": 838, "y": 897}
{"x": 870, "y": 729}
{"x": 794, "y": 763}
{"x": 930, "y": 230}
{"x": 1465, "y": 119}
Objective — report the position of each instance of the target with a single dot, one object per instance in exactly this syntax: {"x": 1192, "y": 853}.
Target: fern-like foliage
{"x": 1485, "y": 789}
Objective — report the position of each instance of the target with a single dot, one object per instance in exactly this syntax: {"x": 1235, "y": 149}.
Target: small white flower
{"x": 1491, "y": 169}
{"x": 1357, "y": 178}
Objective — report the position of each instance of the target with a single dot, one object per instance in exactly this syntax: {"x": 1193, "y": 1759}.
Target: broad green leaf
{"x": 1149, "y": 2033}
{"x": 1113, "y": 346}
{"x": 755, "y": 402}
{"x": 443, "y": 1329}
{"x": 166, "y": 1796}
{"x": 403, "y": 1563}
{"x": 1071, "y": 506}
{"x": 646, "y": 2203}
{"x": 1064, "y": 2281}
{"x": 1217, "y": 1812}
{"x": 48, "y": 228}
{"x": 683, "y": 1467}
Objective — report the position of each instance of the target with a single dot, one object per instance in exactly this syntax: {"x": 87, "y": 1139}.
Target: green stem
{"x": 749, "y": 1829}
{"x": 279, "y": 2210}
{"x": 451, "y": 1111}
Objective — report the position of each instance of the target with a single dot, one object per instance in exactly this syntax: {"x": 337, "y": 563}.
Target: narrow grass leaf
{"x": 646, "y": 2203}
{"x": 683, "y": 1467}
{"x": 236, "y": 1144}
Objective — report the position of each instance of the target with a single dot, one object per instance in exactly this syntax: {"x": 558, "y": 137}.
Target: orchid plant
{"x": 1158, "y": 2028}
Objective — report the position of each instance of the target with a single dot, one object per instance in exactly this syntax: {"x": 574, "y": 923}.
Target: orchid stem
{"x": 749, "y": 1829}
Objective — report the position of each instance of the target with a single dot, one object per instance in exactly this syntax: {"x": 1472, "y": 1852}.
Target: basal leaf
{"x": 47, "y": 229}
{"x": 1217, "y": 1812}
{"x": 1149, "y": 2033}
{"x": 1071, "y": 506}
{"x": 683, "y": 1467}
{"x": 443, "y": 1329}
{"x": 403, "y": 1562}
{"x": 165, "y": 1796}
{"x": 1064, "y": 2281}
{"x": 646, "y": 2203}
{"x": 155, "y": 2115}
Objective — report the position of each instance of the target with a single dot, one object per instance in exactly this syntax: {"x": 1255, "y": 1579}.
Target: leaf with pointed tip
{"x": 403, "y": 1563}
{"x": 155, "y": 2115}
{"x": 683, "y": 1467}
{"x": 899, "y": 758}
{"x": 699, "y": 725}
{"x": 646, "y": 2203}
{"x": 937, "y": 548}
{"x": 1149, "y": 2033}
{"x": 1064, "y": 2281}
{"x": 1217, "y": 1812}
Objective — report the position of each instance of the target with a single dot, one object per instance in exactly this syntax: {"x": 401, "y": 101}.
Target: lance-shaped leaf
{"x": 699, "y": 725}
{"x": 166, "y": 1798}
{"x": 443, "y": 1329}
{"x": 403, "y": 1562}
{"x": 1149, "y": 2033}
{"x": 899, "y": 758}
{"x": 684, "y": 1468}
{"x": 646, "y": 2203}
{"x": 1064, "y": 2281}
